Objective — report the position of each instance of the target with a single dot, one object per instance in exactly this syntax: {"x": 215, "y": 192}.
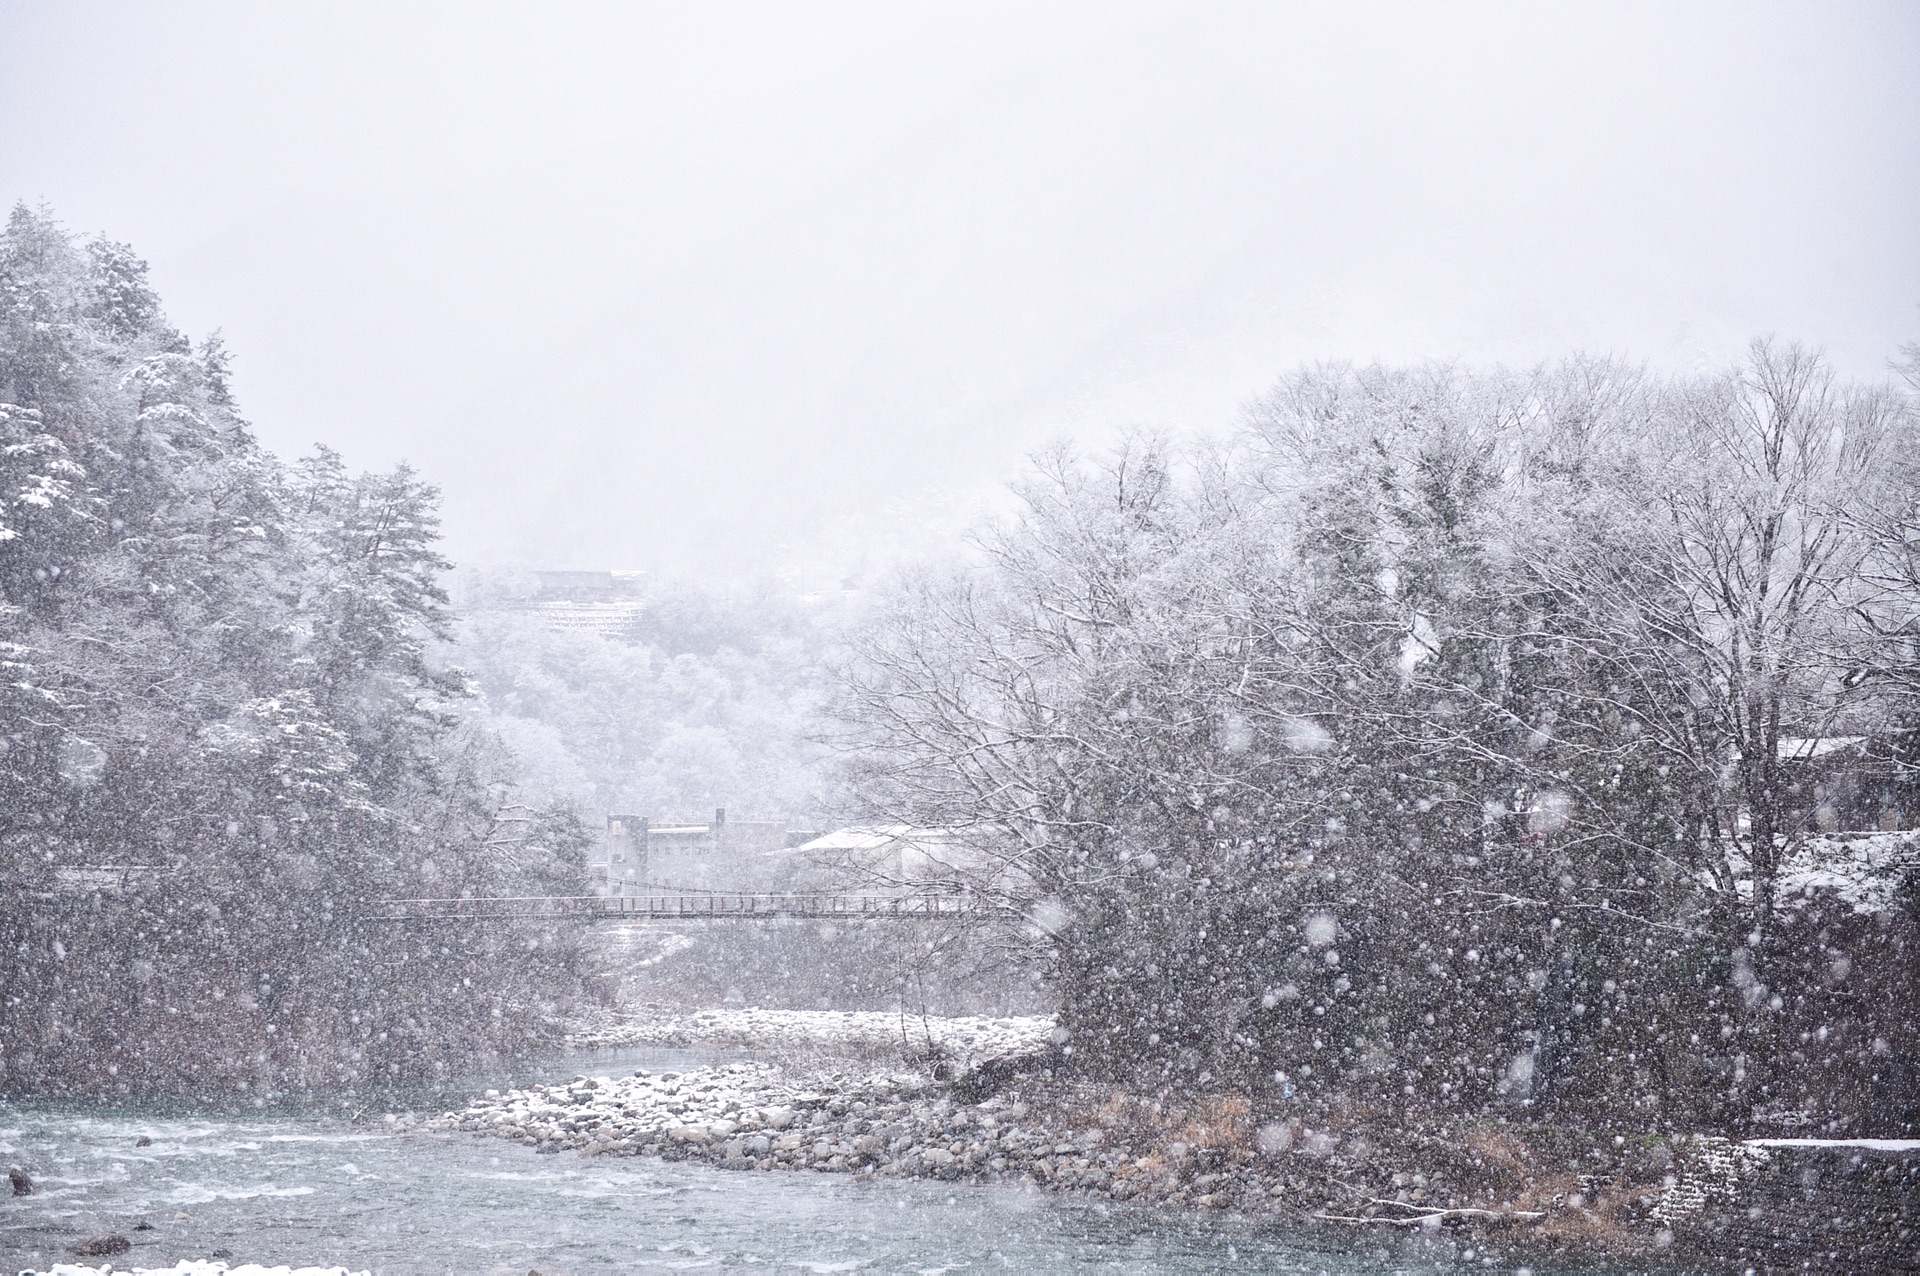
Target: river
{"x": 311, "y": 1184}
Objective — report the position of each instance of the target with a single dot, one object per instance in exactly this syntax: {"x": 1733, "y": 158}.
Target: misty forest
{"x": 1494, "y": 763}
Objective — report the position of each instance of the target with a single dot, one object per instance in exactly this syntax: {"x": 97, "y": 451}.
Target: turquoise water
{"x": 318, "y": 1188}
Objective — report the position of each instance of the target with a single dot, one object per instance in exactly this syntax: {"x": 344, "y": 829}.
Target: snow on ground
{"x": 674, "y": 1107}
{"x": 752, "y": 1116}
{"x": 191, "y": 1267}
{"x": 1865, "y": 870}
{"x": 966, "y": 1039}
{"x": 1871, "y": 1145}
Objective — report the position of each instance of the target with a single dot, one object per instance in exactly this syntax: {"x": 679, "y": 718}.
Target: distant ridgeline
{"x": 1534, "y": 741}
{"x": 219, "y": 730}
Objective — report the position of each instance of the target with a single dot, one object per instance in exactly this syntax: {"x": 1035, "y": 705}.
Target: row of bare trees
{"x": 1428, "y": 734}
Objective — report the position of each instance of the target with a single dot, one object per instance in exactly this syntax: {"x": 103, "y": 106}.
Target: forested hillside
{"x": 1446, "y": 739}
{"x": 220, "y": 732}
{"x": 708, "y": 698}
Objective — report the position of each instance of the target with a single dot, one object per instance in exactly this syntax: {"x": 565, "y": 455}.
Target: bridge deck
{"x": 680, "y": 908}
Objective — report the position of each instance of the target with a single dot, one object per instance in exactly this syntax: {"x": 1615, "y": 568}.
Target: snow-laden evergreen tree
{"x": 221, "y": 735}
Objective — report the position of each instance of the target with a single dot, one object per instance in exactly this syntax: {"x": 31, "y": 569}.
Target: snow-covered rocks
{"x": 751, "y": 1116}
{"x": 191, "y": 1267}
{"x": 963, "y": 1039}
{"x": 1053, "y": 1132}
{"x": 1864, "y": 871}
{"x": 755, "y": 1117}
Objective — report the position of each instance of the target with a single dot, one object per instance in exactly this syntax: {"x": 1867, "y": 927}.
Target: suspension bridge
{"x": 704, "y": 907}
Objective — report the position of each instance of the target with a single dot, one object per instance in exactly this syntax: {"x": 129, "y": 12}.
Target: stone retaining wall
{"x": 1799, "y": 1205}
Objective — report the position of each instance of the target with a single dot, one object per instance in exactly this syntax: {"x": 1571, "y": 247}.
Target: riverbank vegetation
{"x": 220, "y": 735}
{"x": 1441, "y": 741}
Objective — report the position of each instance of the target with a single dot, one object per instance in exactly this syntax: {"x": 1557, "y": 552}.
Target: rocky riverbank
{"x": 960, "y": 1040}
{"x": 1213, "y": 1153}
{"x": 1467, "y": 1187}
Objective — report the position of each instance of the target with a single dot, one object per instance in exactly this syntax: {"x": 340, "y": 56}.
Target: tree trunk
{"x": 1760, "y": 776}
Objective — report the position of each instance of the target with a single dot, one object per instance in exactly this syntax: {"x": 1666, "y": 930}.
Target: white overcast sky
{"x": 695, "y": 286}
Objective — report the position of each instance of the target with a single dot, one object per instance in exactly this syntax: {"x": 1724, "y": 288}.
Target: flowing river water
{"x": 325, "y": 1184}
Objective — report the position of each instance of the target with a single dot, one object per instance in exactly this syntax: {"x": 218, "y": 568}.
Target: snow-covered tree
{"x": 1424, "y": 738}
{"x": 220, "y": 733}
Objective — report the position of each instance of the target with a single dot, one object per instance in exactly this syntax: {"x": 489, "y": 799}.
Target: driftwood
{"x": 1424, "y": 1216}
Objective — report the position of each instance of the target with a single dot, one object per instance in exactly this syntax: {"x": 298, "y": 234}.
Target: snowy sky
{"x": 710, "y": 286}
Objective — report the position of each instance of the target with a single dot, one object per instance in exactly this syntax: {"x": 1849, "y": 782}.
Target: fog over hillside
{"x": 750, "y": 272}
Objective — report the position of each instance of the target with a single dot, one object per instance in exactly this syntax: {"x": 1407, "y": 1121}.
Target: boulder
{"x": 992, "y": 1076}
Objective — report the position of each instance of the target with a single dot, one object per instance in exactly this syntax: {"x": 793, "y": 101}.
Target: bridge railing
{"x": 747, "y": 905}
{"x": 703, "y": 907}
